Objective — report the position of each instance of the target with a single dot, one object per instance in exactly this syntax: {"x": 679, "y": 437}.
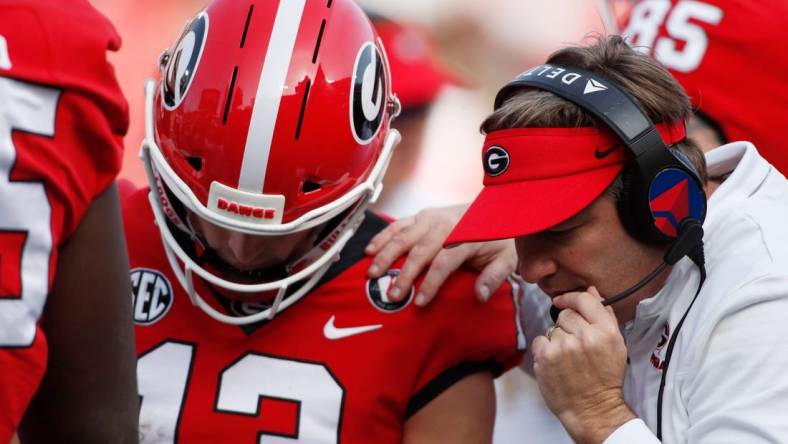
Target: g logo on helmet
{"x": 180, "y": 64}
{"x": 368, "y": 94}
{"x": 496, "y": 161}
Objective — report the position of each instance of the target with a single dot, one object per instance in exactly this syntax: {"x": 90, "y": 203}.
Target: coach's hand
{"x": 421, "y": 237}
{"x": 579, "y": 366}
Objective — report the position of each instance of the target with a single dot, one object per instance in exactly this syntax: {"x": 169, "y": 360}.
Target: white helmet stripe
{"x": 269, "y": 94}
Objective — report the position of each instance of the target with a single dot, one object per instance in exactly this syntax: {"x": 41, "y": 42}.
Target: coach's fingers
{"x": 444, "y": 264}
{"x": 385, "y": 235}
{"x": 424, "y": 252}
{"x": 392, "y": 243}
{"x": 495, "y": 272}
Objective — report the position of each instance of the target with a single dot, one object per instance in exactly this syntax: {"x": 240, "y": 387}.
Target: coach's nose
{"x": 535, "y": 260}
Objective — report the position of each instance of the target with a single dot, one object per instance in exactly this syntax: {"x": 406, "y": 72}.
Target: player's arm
{"x": 463, "y": 413}
{"x": 89, "y": 393}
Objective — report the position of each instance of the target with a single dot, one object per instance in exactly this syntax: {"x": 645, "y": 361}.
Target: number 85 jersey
{"x": 343, "y": 364}
{"x": 62, "y": 118}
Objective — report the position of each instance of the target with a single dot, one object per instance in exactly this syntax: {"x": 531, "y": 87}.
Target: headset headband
{"x": 599, "y": 96}
{"x": 648, "y": 214}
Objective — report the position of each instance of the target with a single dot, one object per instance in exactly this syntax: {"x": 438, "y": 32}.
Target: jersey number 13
{"x": 164, "y": 373}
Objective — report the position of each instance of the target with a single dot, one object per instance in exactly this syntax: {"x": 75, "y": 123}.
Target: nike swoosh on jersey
{"x": 332, "y": 332}
{"x": 602, "y": 154}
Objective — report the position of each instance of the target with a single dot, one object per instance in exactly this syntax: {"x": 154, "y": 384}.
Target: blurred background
{"x": 448, "y": 57}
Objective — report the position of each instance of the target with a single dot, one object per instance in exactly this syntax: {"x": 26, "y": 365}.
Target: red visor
{"x": 536, "y": 178}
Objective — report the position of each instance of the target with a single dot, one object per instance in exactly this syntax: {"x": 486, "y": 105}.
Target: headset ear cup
{"x": 697, "y": 194}
{"x": 634, "y": 208}
{"x": 626, "y": 209}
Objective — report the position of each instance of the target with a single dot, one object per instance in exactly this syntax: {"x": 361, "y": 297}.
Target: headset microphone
{"x": 690, "y": 236}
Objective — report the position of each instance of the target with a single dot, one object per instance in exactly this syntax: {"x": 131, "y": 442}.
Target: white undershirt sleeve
{"x": 535, "y": 316}
{"x": 633, "y": 431}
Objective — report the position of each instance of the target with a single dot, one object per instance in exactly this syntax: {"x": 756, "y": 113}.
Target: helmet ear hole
{"x": 195, "y": 162}
{"x": 310, "y": 186}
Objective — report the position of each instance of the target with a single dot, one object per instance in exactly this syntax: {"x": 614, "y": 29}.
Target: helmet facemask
{"x": 306, "y": 271}
{"x": 268, "y": 136}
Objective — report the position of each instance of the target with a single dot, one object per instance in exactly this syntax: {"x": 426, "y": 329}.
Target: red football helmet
{"x": 270, "y": 118}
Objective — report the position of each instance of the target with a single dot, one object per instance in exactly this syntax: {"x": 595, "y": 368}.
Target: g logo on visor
{"x": 368, "y": 94}
{"x": 180, "y": 65}
{"x": 496, "y": 161}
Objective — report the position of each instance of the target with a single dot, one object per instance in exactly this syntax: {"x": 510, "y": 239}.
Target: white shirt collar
{"x": 745, "y": 170}
{"x": 744, "y": 167}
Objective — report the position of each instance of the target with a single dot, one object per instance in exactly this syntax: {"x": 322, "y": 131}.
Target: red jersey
{"x": 702, "y": 43}
{"x": 62, "y": 118}
{"x": 343, "y": 364}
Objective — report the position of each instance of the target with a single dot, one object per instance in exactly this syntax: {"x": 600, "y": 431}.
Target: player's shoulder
{"x": 455, "y": 300}
{"x": 457, "y": 292}
{"x": 138, "y": 220}
{"x": 49, "y": 42}
{"x": 133, "y": 199}
{"x": 62, "y": 44}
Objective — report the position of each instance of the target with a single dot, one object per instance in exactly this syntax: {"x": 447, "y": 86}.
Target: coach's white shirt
{"x": 728, "y": 377}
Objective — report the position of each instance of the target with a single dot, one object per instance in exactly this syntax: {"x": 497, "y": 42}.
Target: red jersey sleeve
{"x": 700, "y": 42}
{"x": 62, "y": 118}
{"x": 467, "y": 336}
{"x": 61, "y": 47}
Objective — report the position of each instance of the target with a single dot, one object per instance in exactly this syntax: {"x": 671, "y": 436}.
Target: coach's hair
{"x": 655, "y": 90}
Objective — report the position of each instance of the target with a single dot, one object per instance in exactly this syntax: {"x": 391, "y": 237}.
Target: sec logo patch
{"x": 378, "y": 289}
{"x": 152, "y": 295}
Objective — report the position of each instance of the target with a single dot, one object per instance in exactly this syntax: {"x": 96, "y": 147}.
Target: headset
{"x": 663, "y": 201}
{"x": 655, "y": 170}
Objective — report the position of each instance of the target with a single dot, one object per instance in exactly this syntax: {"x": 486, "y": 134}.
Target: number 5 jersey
{"x": 62, "y": 118}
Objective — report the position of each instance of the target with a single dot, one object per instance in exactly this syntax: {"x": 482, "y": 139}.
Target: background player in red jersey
{"x": 267, "y": 138}
{"x": 66, "y": 345}
{"x": 729, "y": 55}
